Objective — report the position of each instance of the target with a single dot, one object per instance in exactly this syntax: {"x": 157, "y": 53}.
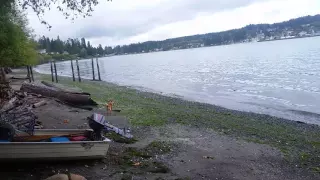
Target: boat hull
{"x": 53, "y": 150}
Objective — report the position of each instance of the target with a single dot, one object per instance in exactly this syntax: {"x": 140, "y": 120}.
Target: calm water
{"x": 280, "y": 78}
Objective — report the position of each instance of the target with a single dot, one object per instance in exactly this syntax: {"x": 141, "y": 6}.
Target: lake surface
{"x": 280, "y": 78}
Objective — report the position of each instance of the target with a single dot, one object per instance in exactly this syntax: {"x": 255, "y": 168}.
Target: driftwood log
{"x": 60, "y": 89}
{"x": 76, "y": 99}
{"x": 19, "y": 78}
{"x": 38, "y": 104}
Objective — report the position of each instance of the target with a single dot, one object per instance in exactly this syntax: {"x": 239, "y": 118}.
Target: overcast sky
{"x": 128, "y": 21}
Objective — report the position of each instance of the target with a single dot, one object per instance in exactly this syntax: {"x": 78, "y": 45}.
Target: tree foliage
{"x": 69, "y": 8}
{"x": 71, "y": 46}
{"x": 16, "y": 47}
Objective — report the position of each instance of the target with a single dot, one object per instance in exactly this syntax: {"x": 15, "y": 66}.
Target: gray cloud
{"x": 144, "y": 19}
{"x": 123, "y": 21}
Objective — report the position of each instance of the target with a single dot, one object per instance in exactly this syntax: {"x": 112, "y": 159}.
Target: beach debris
{"x": 208, "y": 157}
{"x": 66, "y": 177}
{"x": 107, "y": 140}
{"x": 38, "y": 104}
{"x": 74, "y": 110}
{"x": 38, "y": 127}
{"x": 66, "y": 121}
{"x": 109, "y": 105}
{"x": 18, "y": 114}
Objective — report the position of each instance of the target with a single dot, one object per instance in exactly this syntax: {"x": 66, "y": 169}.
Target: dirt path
{"x": 192, "y": 153}
{"x": 204, "y": 154}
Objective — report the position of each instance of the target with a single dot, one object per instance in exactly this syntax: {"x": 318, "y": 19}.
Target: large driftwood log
{"x": 75, "y": 99}
{"x": 52, "y": 86}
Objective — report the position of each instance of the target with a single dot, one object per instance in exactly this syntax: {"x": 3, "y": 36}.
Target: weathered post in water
{"x": 29, "y": 77}
{"x": 73, "y": 78}
{"x": 31, "y": 71}
{"x": 55, "y": 71}
{"x": 78, "y": 70}
{"x": 52, "y": 78}
{"x": 93, "y": 76}
{"x": 98, "y": 69}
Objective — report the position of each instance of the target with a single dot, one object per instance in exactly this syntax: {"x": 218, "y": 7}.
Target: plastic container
{"x": 78, "y": 138}
{"x": 59, "y": 139}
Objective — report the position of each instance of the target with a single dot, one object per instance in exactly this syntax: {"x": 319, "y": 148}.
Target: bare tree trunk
{"x": 2, "y": 75}
{"x": 6, "y": 92}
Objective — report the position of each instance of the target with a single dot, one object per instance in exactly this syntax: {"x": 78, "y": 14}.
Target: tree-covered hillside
{"x": 300, "y": 27}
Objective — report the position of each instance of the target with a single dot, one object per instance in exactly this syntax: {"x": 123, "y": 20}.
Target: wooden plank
{"x": 93, "y": 75}
{"x": 73, "y": 78}
{"x": 78, "y": 70}
{"x": 51, "y": 66}
{"x": 55, "y": 71}
{"x": 98, "y": 69}
{"x": 29, "y": 76}
{"x": 31, "y": 71}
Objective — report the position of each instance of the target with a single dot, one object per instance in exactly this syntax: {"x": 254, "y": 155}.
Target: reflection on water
{"x": 280, "y": 78}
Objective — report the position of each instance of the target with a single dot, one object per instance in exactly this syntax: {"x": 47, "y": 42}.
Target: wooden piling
{"x": 29, "y": 77}
{"x": 93, "y": 76}
{"x": 55, "y": 71}
{"x": 98, "y": 69}
{"x": 31, "y": 71}
{"x": 52, "y": 78}
{"x": 73, "y": 78}
{"x": 78, "y": 70}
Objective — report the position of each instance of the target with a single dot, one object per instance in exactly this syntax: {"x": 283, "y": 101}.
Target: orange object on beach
{"x": 66, "y": 121}
{"x": 109, "y": 105}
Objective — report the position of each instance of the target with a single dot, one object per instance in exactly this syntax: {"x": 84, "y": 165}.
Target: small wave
{"x": 305, "y": 113}
{"x": 204, "y": 70}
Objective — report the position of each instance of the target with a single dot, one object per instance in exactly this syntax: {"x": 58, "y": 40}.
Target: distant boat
{"x": 53, "y": 150}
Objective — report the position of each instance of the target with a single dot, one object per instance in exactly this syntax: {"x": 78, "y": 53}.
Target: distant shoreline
{"x": 289, "y": 38}
{"x": 111, "y": 55}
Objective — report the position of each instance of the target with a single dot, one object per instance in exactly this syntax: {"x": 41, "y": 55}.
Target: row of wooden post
{"x": 30, "y": 74}
{"x": 54, "y": 74}
{"x": 98, "y": 68}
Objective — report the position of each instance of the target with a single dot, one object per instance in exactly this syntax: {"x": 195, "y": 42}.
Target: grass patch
{"x": 139, "y": 161}
{"x": 315, "y": 169}
{"x": 134, "y": 152}
{"x": 149, "y": 109}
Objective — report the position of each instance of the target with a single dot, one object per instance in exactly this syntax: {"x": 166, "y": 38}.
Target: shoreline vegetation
{"x": 46, "y": 58}
{"x": 298, "y": 142}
